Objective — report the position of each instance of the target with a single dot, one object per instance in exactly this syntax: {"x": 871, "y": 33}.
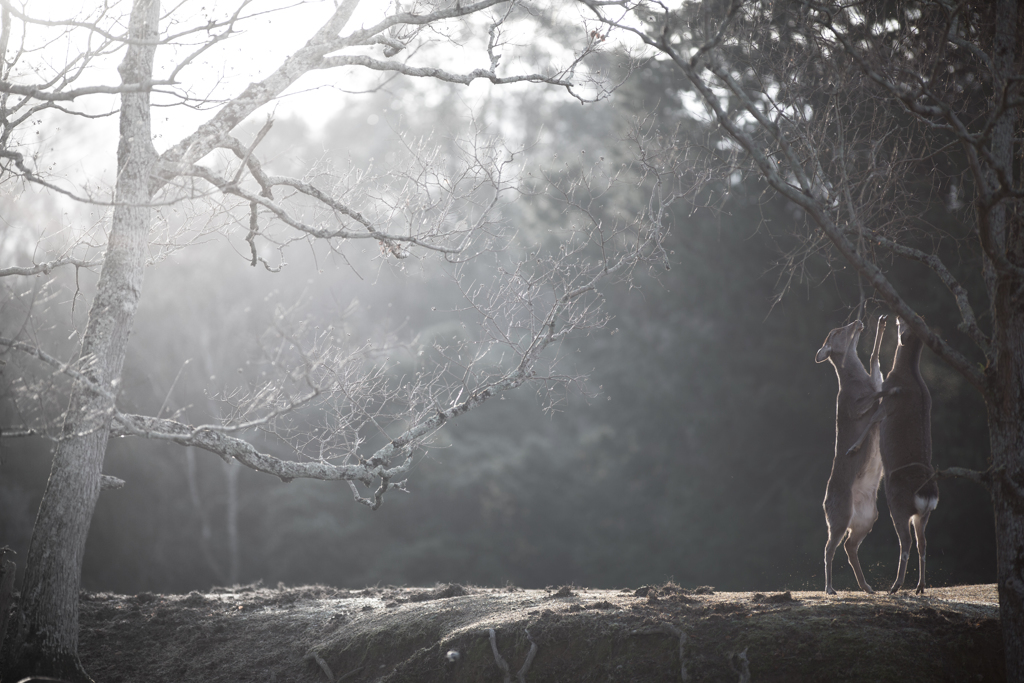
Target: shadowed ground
{"x": 654, "y": 633}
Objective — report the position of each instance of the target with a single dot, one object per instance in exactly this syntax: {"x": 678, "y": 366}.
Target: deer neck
{"x": 907, "y": 362}
{"x": 849, "y": 369}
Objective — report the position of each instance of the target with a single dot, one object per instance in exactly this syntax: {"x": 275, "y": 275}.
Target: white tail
{"x": 905, "y": 441}
{"x": 852, "y": 491}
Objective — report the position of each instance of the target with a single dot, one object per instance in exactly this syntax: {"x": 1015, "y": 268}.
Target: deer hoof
{"x": 829, "y": 590}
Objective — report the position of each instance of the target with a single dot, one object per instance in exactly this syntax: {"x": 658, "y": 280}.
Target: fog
{"x": 692, "y": 442}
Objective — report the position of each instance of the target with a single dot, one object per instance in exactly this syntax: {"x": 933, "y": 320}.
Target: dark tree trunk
{"x": 1006, "y": 434}
{"x": 47, "y": 638}
{"x": 7, "y": 571}
{"x": 1006, "y": 428}
{"x": 1005, "y": 390}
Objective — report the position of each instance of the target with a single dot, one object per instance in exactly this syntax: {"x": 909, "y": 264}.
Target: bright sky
{"x": 76, "y": 148}
{"x": 274, "y": 30}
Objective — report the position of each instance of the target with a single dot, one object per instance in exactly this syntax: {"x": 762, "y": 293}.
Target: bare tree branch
{"x": 970, "y": 323}
{"x": 439, "y": 74}
{"x": 983, "y": 478}
{"x": 806, "y": 192}
{"x": 321, "y": 233}
{"x": 48, "y": 266}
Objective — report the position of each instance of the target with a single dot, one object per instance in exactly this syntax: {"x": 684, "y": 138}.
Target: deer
{"x": 905, "y": 442}
{"x": 852, "y": 491}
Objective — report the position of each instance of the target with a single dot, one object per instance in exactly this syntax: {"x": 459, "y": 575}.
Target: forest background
{"x": 698, "y": 449}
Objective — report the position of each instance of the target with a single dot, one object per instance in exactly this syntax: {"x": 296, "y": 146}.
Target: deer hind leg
{"x": 902, "y": 524}
{"x": 837, "y": 516}
{"x": 835, "y": 537}
{"x": 860, "y": 526}
{"x": 920, "y": 522}
{"x": 851, "y": 546}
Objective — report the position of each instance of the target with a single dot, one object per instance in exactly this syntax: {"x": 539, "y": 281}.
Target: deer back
{"x": 906, "y": 430}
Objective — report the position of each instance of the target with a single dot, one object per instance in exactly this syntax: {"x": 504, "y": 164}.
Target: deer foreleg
{"x": 875, "y": 419}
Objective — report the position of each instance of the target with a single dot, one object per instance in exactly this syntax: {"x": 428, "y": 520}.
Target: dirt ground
{"x": 456, "y": 634}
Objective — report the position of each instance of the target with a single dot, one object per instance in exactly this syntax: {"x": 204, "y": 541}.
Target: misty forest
{"x": 499, "y": 298}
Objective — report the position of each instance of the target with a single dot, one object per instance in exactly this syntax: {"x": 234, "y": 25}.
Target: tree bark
{"x": 234, "y": 563}
{"x": 1005, "y": 395}
{"x": 1006, "y": 430}
{"x": 1006, "y": 434}
{"x": 47, "y": 639}
{"x": 7, "y": 572}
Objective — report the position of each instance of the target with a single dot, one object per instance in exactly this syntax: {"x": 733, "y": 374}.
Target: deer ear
{"x": 823, "y": 353}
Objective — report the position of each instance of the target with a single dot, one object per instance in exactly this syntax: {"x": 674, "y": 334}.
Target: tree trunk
{"x": 47, "y": 639}
{"x": 1005, "y": 395}
{"x": 1007, "y": 447}
{"x": 1006, "y": 434}
{"x": 7, "y": 572}
{"x": 231, "y": 521}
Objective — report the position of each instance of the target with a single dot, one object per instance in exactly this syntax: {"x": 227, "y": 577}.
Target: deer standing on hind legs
{"x": 905, "y": 441}
{"x": 852, "y": 491}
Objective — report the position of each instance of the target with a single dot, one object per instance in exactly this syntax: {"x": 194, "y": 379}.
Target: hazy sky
{"x": 274, "y": 30}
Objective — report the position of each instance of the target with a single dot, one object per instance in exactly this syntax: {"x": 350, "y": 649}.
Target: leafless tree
{"x": 449, "y": 208}
{"x": 871, "y": 117}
